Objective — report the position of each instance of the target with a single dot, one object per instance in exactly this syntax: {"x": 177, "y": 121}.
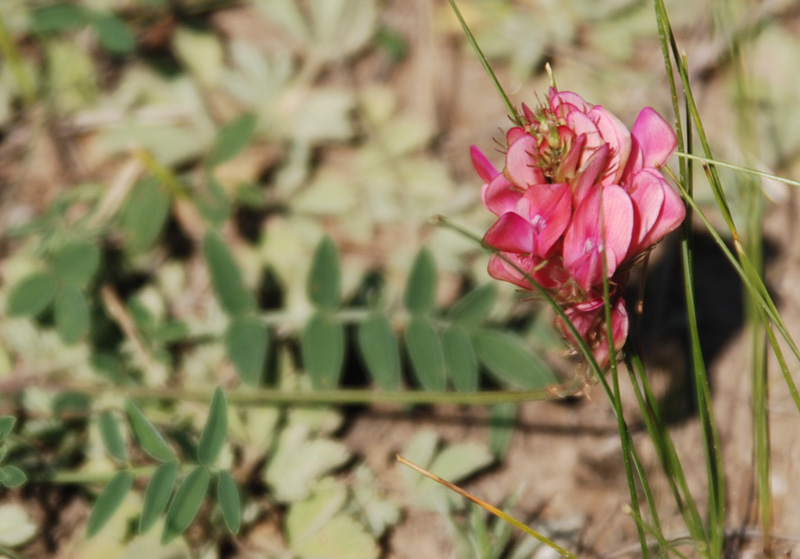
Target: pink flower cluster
{"x": 575, "y": 177}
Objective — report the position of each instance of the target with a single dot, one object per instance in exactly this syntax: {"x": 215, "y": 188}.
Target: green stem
{"x": 740, "y": 168}
{"x": 250, "y": 396}
{"x": 471, "y": 38}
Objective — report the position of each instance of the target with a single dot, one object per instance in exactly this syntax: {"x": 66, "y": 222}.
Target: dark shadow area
{"x": 665, "y": 327}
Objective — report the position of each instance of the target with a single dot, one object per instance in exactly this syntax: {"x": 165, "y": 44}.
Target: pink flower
{"x": 577, "y": 185}
{"x": 589, "y": 320}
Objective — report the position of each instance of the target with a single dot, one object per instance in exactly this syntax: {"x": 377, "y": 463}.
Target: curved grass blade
{"x": 229, "y": 502}
{"x": 111, "y": 435}
{"x": 324, "y": 280}
{"x": 426, "y": 352}
{"x": 212, "y": 439}
{"x": 187, "y": 502}
{"x": 157, "y": 494}
{"x": 378, "y": 347}
{"x": 148, "y": 436}
{"x": 109, "y": 501}
{"x": 512, "y": 112}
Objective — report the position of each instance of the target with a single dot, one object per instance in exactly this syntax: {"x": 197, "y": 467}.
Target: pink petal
{"x": 515, "y": 134}
{"x": 511, "y": 233}
{"x": 616, "y": 134}
{"x": 584, "y": 238}
{"x": 588, "y": 173}
{"x": 529, "y": 115}
{"x": 500, "y": 195}
{"x": 570, "y": 162}
{"x": 657, "y": 208}
{"x": 655, "y": 137}
{"x": 550, "y": 211}
{"x": 582, "y": 124}
{"x": 591, "y": 326}
{"x": 482, "y": 165}
{"x": 520, "y": 165}
{"x": 567, "y": 101}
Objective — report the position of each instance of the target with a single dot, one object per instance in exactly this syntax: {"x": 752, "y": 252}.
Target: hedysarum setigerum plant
{"x": 578, "y": 184}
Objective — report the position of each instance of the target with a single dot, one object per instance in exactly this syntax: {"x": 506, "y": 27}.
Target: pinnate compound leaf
{"x": 156, "y": 496}
{"x": 226, "y": 278}
{"x": 111, "y": 435}
{"x": 76, "y": 262}
{"x": 324, "y": 279}
{"x": 31, "y": 295}
{"x": 427, "y": 355}
{"x": 71, "y": 313}
{"x": 11, "y": 476}
{"x": 232, "y": 138}
{"x": 109, "y": 501}
{"x": 247, "y": 344}
{"x": 473, "y": 307}
{"x": 323, "y": 351}
{"x": 508, "y": 360}
{"x": 144, "y": 214}
{"x": 148, "y": 436}
{"x": 420, "y": 296}
{"x": 7, "y": 423}
{"x": 212, "y": 439}
{"x": 187, "y": 502}
{"x": 378, "y": 346}
{"x": 459, "y": 355}
{"x": 229, "y": 502}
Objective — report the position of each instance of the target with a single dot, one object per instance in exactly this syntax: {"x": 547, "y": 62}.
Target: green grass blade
{"x": 512, "y": 112}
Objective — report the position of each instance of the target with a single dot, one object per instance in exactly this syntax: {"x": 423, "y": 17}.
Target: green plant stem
{"x": 714, "y": 465}
{"x": 665, "y": 448}
{"x": 275, "y": 397}
{"x": 758, "y": 290}
{"x": 740, "y": 168}
{"x": 512, "y": 112}
{"x": 615, "y": 395}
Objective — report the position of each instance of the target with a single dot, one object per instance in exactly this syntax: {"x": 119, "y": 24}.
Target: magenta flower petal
{"x": 580, "y": 124}
{"x": 482, "y": 165}
{"x": 588, "y": 174}
{"x": 616, "y": 135}
{"x": 654, "y": 137}
{"x": 511, "y": 233}
{"x": 500, "y": 195}
{"x": 521, "y": 168}
{"x": 583, "y": 241}
{"x": 565, "y": 101}
{"x": 550, "y": 211}
{"x": 657, "y": 208}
